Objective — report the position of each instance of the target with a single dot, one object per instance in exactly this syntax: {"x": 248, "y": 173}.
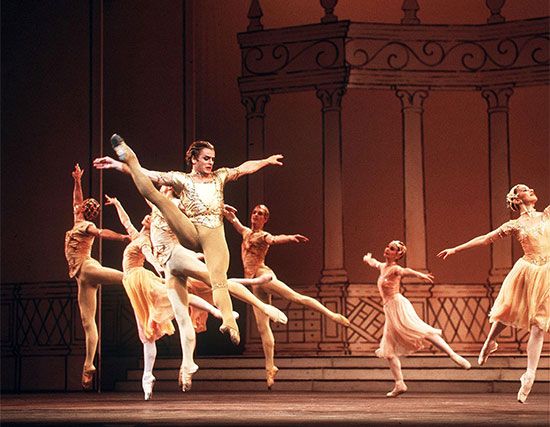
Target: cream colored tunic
{"x": 78, "y": 246}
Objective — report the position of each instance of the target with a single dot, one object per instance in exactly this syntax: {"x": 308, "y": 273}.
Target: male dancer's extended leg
{"x": 182, "y": 227}
{"x": 266, "y": 335}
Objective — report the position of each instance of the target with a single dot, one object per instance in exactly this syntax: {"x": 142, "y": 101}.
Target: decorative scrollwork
{"x": 267, "y": 60}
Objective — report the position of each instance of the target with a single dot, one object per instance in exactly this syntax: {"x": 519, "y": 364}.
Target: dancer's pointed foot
{"x": 527, "y": 380}
{"x": 147, "y": 383}
{"x": 461, "y": 361}
{"x": 233, "y": 332}
{"x": 235, "y": 314}
{"x": 185, "y": 376}
{"x": 342, "y": 320}
{"x": 122, "y": 150}
{"x": 270, "y": 376}
{"x": 275, "y": 315}
{"x": 488, "y": 348}
{"x": 87, "y": 379}
{"x": 399, "y": 388}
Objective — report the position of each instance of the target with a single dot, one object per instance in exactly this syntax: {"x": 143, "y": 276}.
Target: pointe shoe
{"x": 460, "y": 361}
{"x": 235, "y": 315}
{"x": 147, "y": 383}
{"x": 486, "y": 350}
{"x": 527, "y": 380}
{"x": 185, "y": 377}
{"x": 87, "y": 379}
{"x": 116, "y": 142}
{"x": 399, "y": 388}
{"x": 342, "y": 320}
{"x": 234, "y": 335}
{"x": 275, "y": 315}
{"x": 270, "y": 376}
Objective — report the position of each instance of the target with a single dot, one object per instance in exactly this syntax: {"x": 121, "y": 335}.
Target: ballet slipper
{"x": 147, "y": 383}
{"x": 234, "y": 335}
{"x": 270, "y": 376}
{"x": 185, "y": 377}
{"x": 527, "y": 380}
{"x": 486, "y": 350}
{"x": 399, "y": 388}
{"x": 342, "y": 320}
{"x": 235, "y": 315}
{"x": 87, "y": 379}
{"x": 460, "y": 361}
{"x": 275, "y": 315}
{"x": 122, "y": 150}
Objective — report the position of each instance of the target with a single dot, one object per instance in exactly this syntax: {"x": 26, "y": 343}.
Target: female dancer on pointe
{"x": 181, "y": 266}
{"x": 87, "y": 271}
{"x": 404, "y": 331}
{"x": 199, "y": 223}
{"x": 256, "y": 243}
{"x": 523, "y": 301}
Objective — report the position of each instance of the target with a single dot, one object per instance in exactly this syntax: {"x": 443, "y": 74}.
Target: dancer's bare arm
{"x": 252, "y": 166}
{"x": 286, "y": 238}
{"x": 151, "y": 259}
{"x": 229, "y": 212}
{"x": 483, "y": 240}
{"x": 123, "y": 216}
{"x": 105, "y": 233}
{"x": 110, "y": 163}
{"x": 370, "y": 260}
{"x": 78, "y": 198}
{"x": 429, "y": 277}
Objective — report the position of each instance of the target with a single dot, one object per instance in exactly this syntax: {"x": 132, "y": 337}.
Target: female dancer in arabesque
{"x": 523, "y": 301}
{"x": 404, "y": 331}
{"x": 88, "y": 272}
{"x": 199, "y": 223}
{"x": 256, "y": 243}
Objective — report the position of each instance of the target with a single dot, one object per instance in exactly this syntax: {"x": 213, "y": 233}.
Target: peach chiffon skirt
{"x": 524, "y": 298}
{"x": 404, "y": 331}
{"x": 149, "y": 299}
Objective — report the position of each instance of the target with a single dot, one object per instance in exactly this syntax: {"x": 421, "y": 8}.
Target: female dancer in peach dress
{"x": 404, "y": 331}
{"x": 524, "y": 298}
{"x": 199, "y": 223}
{"x": 256, "y": 243}
{"x": 88, "y": 272}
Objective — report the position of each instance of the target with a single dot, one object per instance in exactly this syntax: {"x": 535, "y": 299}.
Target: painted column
{"x": 412, "y": 101}
{"x": 499, "y": 167}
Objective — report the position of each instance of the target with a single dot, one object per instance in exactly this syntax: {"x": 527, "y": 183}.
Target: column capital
{"x": 255, "y": 104}
{"x": 331, "y": 97}
{"x": 412, "y": 98}
{"x": 497, "y": 97}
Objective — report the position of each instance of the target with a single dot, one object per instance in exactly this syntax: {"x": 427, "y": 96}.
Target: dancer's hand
{"x": 427, "y": 277}
{"x": 108, "y": 163}
{"x": 298, "y": 238}
{"x": 229, "y": 212}
{"x": 367, "y": 257}
{"x": 446, "y": 252}
{"x": 77, "y": 172}
{"x": 111, "y": 200}
{"x": 275, "y": 160}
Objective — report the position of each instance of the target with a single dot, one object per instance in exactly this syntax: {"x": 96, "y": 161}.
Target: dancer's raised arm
{"x": 110, "y": 163}
{"x": 78, "y": 198}
{"x": 482, "y": 240}
{"x": 370, "y": 260}
{"x": 428, "y": 277}
{"x": 252, "y": 166}
{"x": 123, "y": 216}
{"x": 229, "y": 212}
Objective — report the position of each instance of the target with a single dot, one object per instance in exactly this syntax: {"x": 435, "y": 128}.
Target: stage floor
{"x": 273, "y": 409}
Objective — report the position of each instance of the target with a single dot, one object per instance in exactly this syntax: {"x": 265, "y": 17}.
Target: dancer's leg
{"x": 149, "y": 356}
{"x": 286, "y": 292}
{"x": 177, "y": 294}
{"x": 490, "y": 345}
{"x": 441, "y": 344}
{"x": 87, "y": 303}
{"x": 216, "y": 256}
{"x": 534, "y": 349}
{"x": 92, "y": 272}
{"x": 395, "y": 368}
{"x": 266, "y": 335}
{"x": 241, "y": 292}
{"x": 202, "y": 304}
{"x": 182, "y": 227}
